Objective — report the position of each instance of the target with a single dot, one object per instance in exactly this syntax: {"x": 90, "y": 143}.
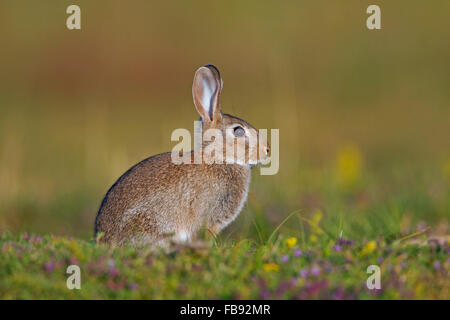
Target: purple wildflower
{"x": 436, "y": 265}
{"x": 113, "y": 272}
{"x": 316, "y": 287}
{"x": 315, "y": 271}
{"x": 264, "y": 293}
{"x": 111, "y": 263}
{"x": 282, "y": 288}
{"x": 375, "y": 292}
{"x": 49, "y": 266}
{"x": 339, "y": 294}
{"x": 113, "y": 286}
{"x": 304, "y": 273}
{"x": 133, "y": 286}
{"x": 36, "y": 239}
{"x": 285, "y": 258}
{"x": 297, "y": 253}
{"x": 380, "y": 260}
{"x": 337, "y": 248}
{"x": 344, "y": 242}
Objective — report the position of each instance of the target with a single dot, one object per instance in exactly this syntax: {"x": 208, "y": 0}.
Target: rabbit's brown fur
{"x": 158, "y": 201}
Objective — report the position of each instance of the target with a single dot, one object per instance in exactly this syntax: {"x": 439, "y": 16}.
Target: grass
{"x": 34, "y": 267}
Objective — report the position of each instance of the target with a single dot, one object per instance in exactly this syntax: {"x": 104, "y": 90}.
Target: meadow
{"x": 35, "y": 267}
{"x": 364, "y": 122}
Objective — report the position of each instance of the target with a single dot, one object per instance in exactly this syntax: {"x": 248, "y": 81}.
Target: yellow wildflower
{"x": 349, "y": 163}
{"x": 313, "y": 238}
{"x": 291, "y": 242}
{"x": 271, "y": 267}
{"x": 369, "y": 247}
{"x": 315, "y": 221}
{"x": 77, "y": 251}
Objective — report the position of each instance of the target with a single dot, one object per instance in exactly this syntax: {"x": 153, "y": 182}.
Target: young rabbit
{"x": 160, "y": 202}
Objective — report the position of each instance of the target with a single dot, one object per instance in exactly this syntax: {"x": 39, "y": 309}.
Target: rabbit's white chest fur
{"x": 223, "y": 207}
{"x": 214, "y": 204}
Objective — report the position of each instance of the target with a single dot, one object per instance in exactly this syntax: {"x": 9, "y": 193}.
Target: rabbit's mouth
{"x": 265, "y": 161}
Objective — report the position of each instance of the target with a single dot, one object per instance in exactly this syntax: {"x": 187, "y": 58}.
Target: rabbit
{"x": 158, "y": 202}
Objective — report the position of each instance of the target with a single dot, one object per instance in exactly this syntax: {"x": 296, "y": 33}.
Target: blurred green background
{"x": 364, "y": 116}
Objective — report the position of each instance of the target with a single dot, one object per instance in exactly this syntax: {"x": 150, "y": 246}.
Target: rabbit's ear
{"x": 206, "y": 90}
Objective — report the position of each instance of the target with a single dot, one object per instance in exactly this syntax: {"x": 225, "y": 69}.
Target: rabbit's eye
{"x": 239, "y": 132}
